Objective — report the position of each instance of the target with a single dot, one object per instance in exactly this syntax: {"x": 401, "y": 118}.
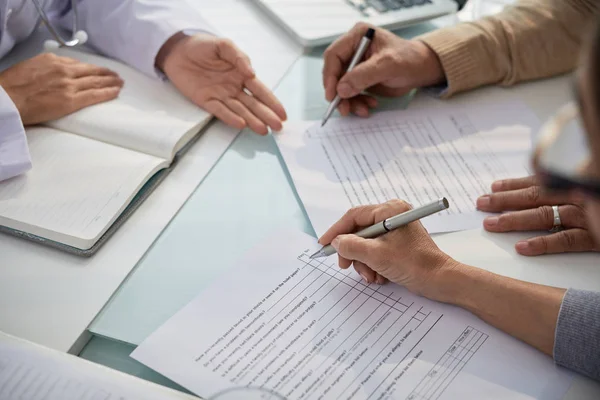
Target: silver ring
{"x": 557, "y": 224}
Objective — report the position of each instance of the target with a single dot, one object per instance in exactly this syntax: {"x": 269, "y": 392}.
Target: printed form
{"x": 417, "y": 156}
{"x": 309, "y": 330}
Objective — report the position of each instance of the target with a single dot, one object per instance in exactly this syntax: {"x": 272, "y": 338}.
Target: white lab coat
{"x": 132, "y": 31}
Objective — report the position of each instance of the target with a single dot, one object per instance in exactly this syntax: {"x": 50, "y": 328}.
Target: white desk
{"x": 50, "y": 298}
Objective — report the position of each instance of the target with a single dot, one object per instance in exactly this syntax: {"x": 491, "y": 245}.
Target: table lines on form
{"x": 390, "y": 321}
{"x": 449, "y": 365}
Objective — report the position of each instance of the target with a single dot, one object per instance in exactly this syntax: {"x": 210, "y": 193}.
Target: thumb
{"x": 366, "y": 74}
{"x": 355, "y": 248}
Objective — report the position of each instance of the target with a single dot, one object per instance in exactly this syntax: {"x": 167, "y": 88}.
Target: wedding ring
{"x": 557, "y": 225}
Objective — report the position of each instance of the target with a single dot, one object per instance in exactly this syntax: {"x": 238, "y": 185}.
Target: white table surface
{"x": 50, "y": 298}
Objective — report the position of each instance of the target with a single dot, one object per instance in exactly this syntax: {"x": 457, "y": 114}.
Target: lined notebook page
{"x": 149, "y": 115}
{"x": 32, "y": 372}
{"x": 76, "y": 189}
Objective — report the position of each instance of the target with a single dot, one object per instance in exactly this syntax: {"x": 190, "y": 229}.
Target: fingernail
{"x": 496, "y": 186}
{"x": 365, "y": 278}
{"x": 483, "y": 201}
{"x": 522, "y": 246}
{"x": 344, "y": 90}
{"x": 336, "y": 243}
{"x": 380, "y": 280}
{"x": 490, "y": 221}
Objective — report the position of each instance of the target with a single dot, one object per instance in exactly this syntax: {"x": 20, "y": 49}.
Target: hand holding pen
{"x": 390, "y": 67}
{"x": 403, "y": 251}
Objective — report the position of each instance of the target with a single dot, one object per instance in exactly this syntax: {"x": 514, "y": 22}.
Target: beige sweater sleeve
{"x": 529, "y": 40}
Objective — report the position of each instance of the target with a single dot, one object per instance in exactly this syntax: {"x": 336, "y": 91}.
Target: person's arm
{"x": 562, "y": 324}
{"x": 524, "y": 310}
{"x": 566, "y": 326}
{"x": 531, "y": 39}
{"x": 577, "y": 341}
{"x": 171, "y": 37}
{"x": 134, "y": 31}
{"x": 14, "y": 152}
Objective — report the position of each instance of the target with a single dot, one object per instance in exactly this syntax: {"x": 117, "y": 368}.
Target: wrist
{"x": 451, "y": 283}
{"x": 430, "y": 65}
{"x": 167, "y": 49}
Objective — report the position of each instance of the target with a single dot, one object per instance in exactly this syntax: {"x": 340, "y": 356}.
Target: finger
{"x": 352, "y": 247}
{"x": 222, "y": 112}
{"x": 90, "y": 97}
{"x": 368, "y": 275}
{"x": 505, "y": 185}
{"x": 359, "y": 107}
{"x": 541, "y": 218}
{"x": 229, "y": 52}
{"x": 568, "y": 241}
{"x": 381, "y": 90}
{"x": 371, "y": 101}
{"x": 344, "y": 108}
{"x": 520, "y": 199}
{"x": 338, "y": 55}
{"x": 344, "y": 263}
{"x": 363, "y": 76}
{"x": 262, "y": 93}
{"x": 98, "y": 82}
{"x": 252, "y": 120}
{"x": 80, "y": 70}
{"x": 262, "y": 112}
{"x": 363, "y": 216}
{"x": 380, "y": 280}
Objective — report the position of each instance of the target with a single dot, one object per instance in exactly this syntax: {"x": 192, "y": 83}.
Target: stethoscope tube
{"x": 79, "y": 36}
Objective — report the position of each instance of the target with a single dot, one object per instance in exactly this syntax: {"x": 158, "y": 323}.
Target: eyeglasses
{"x": 562, "y": 157}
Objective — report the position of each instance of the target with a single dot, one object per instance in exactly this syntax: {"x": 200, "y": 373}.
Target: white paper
{"x": 418, "y": 156}
{"x": 309, "y": 330}
{"x": 32, "y": 372}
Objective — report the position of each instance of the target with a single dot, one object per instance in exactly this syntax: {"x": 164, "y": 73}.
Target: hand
{"x": 407, "y": 256}
{"x": 47, "y": 87}
{"x": 217, "y": 76}
{"x": 392, "y": 66}
{"x": 532, "y": 211}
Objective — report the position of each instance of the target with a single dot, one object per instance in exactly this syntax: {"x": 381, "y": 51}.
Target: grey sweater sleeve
{"x": 577, "y": 338}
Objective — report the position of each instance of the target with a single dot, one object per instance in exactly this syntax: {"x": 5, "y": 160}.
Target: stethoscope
{"x": 79, "y": 36}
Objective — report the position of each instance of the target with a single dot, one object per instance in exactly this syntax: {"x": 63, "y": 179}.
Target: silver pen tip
{"x": 323, "y": 123}
{"x": 318, "y": 254}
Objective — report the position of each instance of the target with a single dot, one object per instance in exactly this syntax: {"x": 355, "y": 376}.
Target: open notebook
{"x": 29, "y": 371}
{"x": 92, "y": 168}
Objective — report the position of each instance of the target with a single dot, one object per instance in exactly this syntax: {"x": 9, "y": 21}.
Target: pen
{"x": 395, "y": 222}
{"x": 360, "y": 52}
